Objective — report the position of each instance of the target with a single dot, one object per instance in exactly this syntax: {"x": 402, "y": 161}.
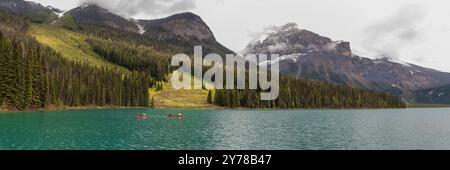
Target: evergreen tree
{"x": 307, "y": 94}
{"x": 209, "y": 98}
{"x": 152, "y": 103}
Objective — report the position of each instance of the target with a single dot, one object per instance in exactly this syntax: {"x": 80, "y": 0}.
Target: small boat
{"x": 179, "y": 116}
{"x": 141, "y": 116}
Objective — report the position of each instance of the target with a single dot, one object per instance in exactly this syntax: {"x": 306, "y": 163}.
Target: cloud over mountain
{"x": 145, "y": 7}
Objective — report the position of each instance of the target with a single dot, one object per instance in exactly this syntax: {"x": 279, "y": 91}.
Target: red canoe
{"x": 176, "y": 116}
{"x": 141, "y": 116}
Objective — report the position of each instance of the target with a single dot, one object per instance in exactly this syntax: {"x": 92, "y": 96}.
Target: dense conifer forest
{"x": 133, "y": 57}
{"x": 306, "y": 94}
{"x": 34, "y": 76}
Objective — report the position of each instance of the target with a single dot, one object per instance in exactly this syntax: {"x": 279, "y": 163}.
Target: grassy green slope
{"x": 70, "y": 44}
{"x": 171, "y": 98}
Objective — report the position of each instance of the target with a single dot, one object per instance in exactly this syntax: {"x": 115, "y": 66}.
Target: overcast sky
{"x": 415, "y": 31}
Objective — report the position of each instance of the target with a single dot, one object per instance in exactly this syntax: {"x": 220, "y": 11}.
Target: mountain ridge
{"x": 307, "y": 55}
{"x": 183, "y": 29}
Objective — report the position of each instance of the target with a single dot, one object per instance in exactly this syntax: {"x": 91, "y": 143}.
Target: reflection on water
{"x": 118, "y": 129}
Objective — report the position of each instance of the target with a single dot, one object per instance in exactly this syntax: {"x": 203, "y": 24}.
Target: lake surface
{"x": 118, "y": 129}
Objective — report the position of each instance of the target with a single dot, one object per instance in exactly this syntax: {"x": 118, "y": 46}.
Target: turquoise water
{"x": 118, "y": 129}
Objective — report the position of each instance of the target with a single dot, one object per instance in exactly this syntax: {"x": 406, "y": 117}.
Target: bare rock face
{"x": 54, "y": 9}
{"x": 186, "y": 26}
{"x": 338, "y": 47}
{"x": 343, "y": 48}
{"x": 289, "y": 39}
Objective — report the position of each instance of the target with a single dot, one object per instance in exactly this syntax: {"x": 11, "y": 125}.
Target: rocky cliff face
{"x": 307, "y": 55}
{"x": 54, "y": 9}
{"x": 184, "y": 26}
{"x": 289, "y": 39}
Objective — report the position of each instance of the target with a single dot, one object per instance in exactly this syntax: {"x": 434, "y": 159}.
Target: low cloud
{"x": 272, "y": 40}
{"x": 261, "y": 35}
{"x": 390, "y": 36}
{"x": 143, "y": 7}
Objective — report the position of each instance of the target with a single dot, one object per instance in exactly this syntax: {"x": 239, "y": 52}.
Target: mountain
{"x": 179, "y": 32}
{"x": 184, "y": 26}
{"x": 93, "y": 15}
{"x": 92, "y": 57}
{"x": 307, "y": 55}
{"x": 183, "y": 30}
{"x": 438, "y": 95}
{"x": 288, "y": 39}
{"x": 28, "y": 9}
{"x": 54, "y": 9}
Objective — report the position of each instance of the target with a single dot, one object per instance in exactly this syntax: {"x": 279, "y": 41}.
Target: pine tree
{"x": 3, "y": 62}
{"x": 152, "y": 103}
{"x": 296, "y": 93}
{"x": 209, "y": 98}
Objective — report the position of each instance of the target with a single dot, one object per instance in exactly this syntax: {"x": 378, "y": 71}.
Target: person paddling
{"x": 142, "y": 116}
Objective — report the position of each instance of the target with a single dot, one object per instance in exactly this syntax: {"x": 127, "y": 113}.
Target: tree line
{"x": 306, "y": 94}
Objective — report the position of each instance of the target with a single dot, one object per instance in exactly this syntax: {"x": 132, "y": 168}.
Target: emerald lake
{"x": 118, "y": 129}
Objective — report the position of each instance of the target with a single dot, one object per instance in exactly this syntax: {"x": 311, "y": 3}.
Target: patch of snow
{"x": 56, "y": 11}
{"x": 378, "y": 61}
{"x": 293, "y": 57}
{"x": 441, "y": 94}
{"x": 140, "y": 27}
{"x": 431, "y": 93}
{"x": 412, "y": 73}
{"x": 395, "y": 61}
{"x": 401, "y": 62}
{"x": 60, "y": 14}
{"x": 84, "y": 6}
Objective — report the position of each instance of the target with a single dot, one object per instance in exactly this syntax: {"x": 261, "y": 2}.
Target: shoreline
{"x": 64, "y": 108}
{"x": 421, "y": 105}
